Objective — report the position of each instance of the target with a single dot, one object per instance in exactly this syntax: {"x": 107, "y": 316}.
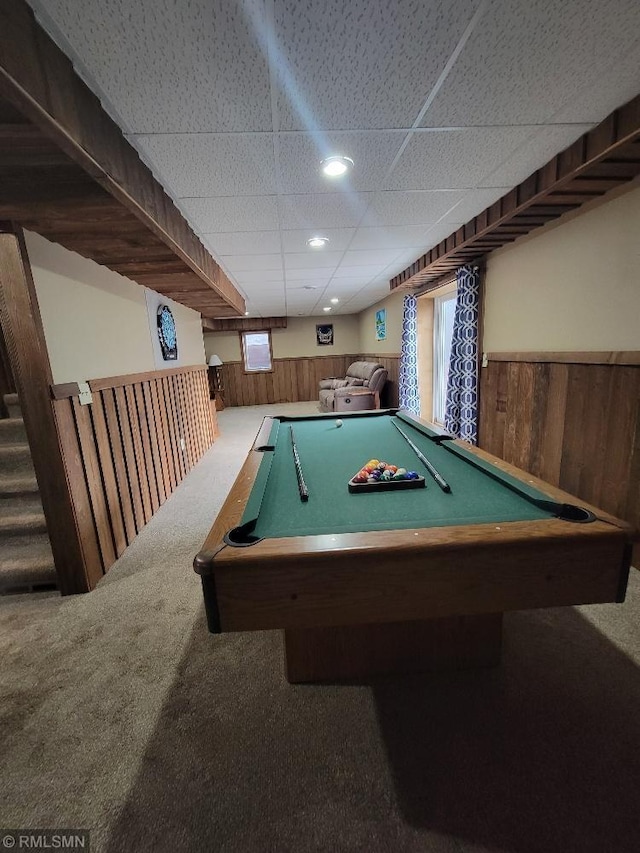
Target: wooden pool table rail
{"x": 398, "y": 575}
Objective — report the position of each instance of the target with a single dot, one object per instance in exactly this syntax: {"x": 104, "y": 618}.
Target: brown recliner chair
{"x": 357, "y": 391}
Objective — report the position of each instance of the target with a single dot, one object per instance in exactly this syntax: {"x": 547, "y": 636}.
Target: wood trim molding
{"x": 63, "y": 390}
{"x": 601, "y": 160}
{"x": 243, "y": 324}
{"x": 135, "y": 378}
{"x": 629, "y": 357}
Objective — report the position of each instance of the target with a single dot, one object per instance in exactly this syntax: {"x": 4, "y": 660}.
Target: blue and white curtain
{"x": 408, "y": 382}
{"x": 461, "y": 410}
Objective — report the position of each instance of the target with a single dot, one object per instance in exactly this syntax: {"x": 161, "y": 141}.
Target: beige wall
{"x": 95, "y": 321}
{"x": 367, "y": 321}
{"x": 573, "y": 286}
{"x": 298, "y": 340}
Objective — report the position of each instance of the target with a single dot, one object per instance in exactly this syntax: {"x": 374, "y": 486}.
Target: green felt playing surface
{"x": 330, "y": 456}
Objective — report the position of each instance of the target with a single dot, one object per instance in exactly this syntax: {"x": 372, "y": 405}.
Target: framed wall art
{"x": 324, "y": 335}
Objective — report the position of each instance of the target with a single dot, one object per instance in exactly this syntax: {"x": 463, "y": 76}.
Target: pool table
{"x": 403, "y": 580}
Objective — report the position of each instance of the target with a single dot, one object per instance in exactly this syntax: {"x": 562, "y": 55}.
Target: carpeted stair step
{"x": 13, "y": 405}
{"x": 21, "y": 515}
{"x": 12, "y": 431}
{"x": 26, "y": 564}
{"x": 18, "y": 484}
{"x": 15, "y": 460}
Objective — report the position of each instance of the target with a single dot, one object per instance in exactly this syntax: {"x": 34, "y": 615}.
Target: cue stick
{"x": 434, "y": 473}
{"x": 302, "y": 486}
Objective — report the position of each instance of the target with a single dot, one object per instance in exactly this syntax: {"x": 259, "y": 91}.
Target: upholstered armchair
{"x": 359, "y": 389}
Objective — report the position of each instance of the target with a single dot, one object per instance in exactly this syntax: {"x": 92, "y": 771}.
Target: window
{"x": 256, "y": 351}
{"x": 444, "y": 308}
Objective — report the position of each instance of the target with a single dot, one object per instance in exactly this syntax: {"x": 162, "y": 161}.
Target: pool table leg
{"x": 348, "y": 652}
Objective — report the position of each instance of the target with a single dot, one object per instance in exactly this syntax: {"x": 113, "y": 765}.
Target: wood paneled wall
{"x": 7, "y": 383}
{"x": 576, "y": 425}
{"x": 296, "y": 380}
{"x": 127, "y": 451}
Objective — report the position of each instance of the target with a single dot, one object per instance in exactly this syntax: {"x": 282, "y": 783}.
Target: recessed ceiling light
{"x": 317, "y": 242}
{"x": 246, "y": 313}
{"x": 310, "y": 287}
{"x": 336, "y": 166}
{"x": 326, "y": 309}
{"x": 335, "y": 300}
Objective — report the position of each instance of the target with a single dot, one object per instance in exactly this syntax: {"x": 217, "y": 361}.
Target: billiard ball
{"x": 338, "y": 423}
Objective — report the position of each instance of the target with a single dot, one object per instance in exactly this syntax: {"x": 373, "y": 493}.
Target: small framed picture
{"x": 381, "y": 324}
{"x": 324, "y": 335}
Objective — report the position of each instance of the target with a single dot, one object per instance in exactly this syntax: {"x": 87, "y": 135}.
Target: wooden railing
{"x": 127, "y": 450}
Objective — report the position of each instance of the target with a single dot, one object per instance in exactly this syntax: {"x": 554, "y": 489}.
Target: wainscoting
{"x": 126, "y": 452}
{"x": 572, "y": 419}
{"x": 296, "y": 380}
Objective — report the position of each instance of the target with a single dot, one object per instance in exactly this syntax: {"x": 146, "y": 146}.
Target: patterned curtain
{"x": 408, "y": 391}
{"x": 461, "y": 410}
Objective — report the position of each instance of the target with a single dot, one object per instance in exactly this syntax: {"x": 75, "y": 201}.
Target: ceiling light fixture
{"x": 246, "y": 313}
{"x": 335, "y": 167}
{"x": 326, "y": 309}
{"x": 335, "y": 300}
{"x": 317, "y": 242}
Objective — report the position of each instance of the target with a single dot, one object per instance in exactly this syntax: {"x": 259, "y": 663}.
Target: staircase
{"x": 26, "y": 561}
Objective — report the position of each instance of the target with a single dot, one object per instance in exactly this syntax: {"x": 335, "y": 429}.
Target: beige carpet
{"x": 121, "y": 714}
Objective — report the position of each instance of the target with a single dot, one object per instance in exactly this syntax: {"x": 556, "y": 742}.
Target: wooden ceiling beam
{"x": 244, "y": 324}
{"x": 66, "y": 124}
{"x": 601, "y": 160}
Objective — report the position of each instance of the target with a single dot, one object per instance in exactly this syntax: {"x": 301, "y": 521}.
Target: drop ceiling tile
{"x": 295, "y": 305}
{"x": 167, "y": 66}
{"x": 405, "y": 259}
{"x": 456, "y": 159}
{"x": 619, "y": 85}
{"x": 243, "y": 263}
{"x": 312, "y": 260}
{"x": 250, "y": 277}
{"x": 534, "y": 153}
{"x": 349, "y": 75}
{"x": 296, "y": 241}
{"x": 471, "y": 204}
{"x": 328, "y": 210}
{"x": 266, "y": 286}
{"x": 212, "y": 164}
{"x": 380, "y": 258}
{"x": 393, "y": 237}
{"x": 243, "y": 243}
{"x": 277, "y": 308}
{"x": 366, "y": 273}
{"x": 246, "y": 213}
{"x": 520, "y": 64}
{"x": 409, "y": 208}
{"x": 347, "y": 284}
{"x": 440, "y": 232}
{"x": 300, "y": 155}
{"x": 303, "y": 298}
{"x": 299, "y": 278}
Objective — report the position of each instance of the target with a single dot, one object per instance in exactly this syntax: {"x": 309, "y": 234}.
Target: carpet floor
{"x": 120, "y": 714}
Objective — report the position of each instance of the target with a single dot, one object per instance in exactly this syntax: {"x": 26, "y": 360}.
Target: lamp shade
{"x": 215, "y": 361}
